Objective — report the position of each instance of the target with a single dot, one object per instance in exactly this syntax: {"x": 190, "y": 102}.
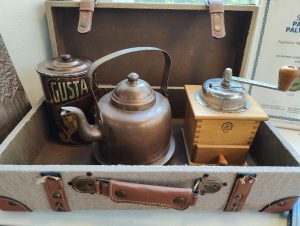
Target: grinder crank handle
{"x": 286, "y": 79}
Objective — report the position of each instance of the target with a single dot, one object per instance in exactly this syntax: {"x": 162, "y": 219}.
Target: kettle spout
{"x": 86, "y": 131}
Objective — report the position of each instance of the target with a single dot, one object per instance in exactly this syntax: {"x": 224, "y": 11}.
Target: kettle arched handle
{"x": 102, "y": 60}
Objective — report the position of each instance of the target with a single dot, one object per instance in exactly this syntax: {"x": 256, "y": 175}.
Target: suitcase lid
{"x": 184, "y": 30}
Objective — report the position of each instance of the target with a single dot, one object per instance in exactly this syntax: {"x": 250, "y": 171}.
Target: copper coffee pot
{"x": 133, "y": 121}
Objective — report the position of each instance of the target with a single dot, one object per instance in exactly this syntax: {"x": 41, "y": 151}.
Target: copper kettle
{"x": 133, "y": 122}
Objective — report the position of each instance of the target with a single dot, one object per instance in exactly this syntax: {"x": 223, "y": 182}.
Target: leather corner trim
{"x": 56, "y": 194}
{"x": 240, "y": 193}
{"x": 9, "y": 204}
{"x": 281, "y": 205}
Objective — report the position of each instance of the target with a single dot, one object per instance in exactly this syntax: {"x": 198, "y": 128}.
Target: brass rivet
{"x": 234, "y": 207}
{"x": 59, "y": 204}
{"x": 56, "y": 195}
{"x": 238, "y": 197}
{"x": 217, "y": 28}
{"x": 217, "y": 16}
{"x": 120, "y": 193}
{"x": 84, "y": 24}
{"x": 12, "y": 203}
{"x": 178, "y": 200}
{"x": 281, "y": 203}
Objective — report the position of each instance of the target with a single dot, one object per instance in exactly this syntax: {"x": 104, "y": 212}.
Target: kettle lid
{"x": 64, "y": 65}
{"x": 133, "y": 94}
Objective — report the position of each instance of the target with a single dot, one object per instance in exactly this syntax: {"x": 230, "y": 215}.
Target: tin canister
{"x": 65, "y": 83}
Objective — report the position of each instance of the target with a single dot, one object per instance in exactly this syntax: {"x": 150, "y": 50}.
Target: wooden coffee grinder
{"x": 221, "y": 119}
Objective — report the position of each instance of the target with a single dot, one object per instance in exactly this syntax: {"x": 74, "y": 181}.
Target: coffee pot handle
{"x": 102, "y": 60}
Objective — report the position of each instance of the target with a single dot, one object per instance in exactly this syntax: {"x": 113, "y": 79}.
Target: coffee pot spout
{"x": 86, "y": 131}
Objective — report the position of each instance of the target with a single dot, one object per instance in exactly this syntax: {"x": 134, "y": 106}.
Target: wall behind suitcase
{"x": 25, "y": 33}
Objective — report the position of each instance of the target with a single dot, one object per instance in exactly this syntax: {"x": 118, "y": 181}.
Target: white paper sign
{"x": 278, "y": 45}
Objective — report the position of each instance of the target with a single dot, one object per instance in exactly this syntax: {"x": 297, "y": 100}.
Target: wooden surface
{"x": 155, "y": 4}
{"x": 13, "y": 100}
{"x": 215, "y": 132}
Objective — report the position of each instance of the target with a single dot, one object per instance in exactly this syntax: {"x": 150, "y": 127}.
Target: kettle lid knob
{"x": 65, "y": 57}
{"x": 132, "y": 77}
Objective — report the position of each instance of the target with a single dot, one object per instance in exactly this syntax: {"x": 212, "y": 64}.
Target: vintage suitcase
{"x": 38, "y": 173}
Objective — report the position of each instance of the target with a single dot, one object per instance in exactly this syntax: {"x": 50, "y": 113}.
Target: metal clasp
{"x": 88, "y": 184}
{"x": 207, "y": 184}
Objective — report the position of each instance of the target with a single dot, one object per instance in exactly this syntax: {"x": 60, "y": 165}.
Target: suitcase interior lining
{"x": 33, "y": 143}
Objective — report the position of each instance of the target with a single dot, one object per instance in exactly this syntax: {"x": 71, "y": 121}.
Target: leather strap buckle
{"x": 90, "y": 185}
{"x": 216, "y": 10}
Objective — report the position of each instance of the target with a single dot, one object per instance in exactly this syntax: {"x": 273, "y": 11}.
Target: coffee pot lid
{"x": 64, "y": 65}
{"x": 224, "y": 94}
{"x": 133, "y": 94}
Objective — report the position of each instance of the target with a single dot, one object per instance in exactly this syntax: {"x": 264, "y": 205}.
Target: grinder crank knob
{"x": 287, "y": 75}
{"x": 222, "y": 160}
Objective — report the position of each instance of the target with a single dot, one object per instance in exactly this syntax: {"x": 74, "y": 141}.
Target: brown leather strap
{"x": 56, "y": 194}
{"x": 86, "y": 11}
{"x": 176, "y": 198}
{"x": 281, "y": 205}
{"x": 240, "y": 193}
{"x": 9, "y": 204}
{"x": 216, "y": 10}
{"x": 149, "y": 195}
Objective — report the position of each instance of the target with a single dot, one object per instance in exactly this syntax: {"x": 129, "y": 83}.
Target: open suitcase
{"x": 38, "y": 173}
